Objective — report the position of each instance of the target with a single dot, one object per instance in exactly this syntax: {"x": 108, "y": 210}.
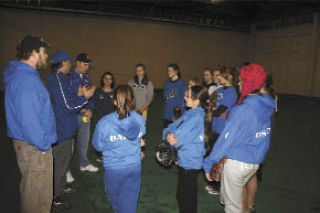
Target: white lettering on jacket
{"x": 263, "y": 133}
{"x": 118, "y": 137}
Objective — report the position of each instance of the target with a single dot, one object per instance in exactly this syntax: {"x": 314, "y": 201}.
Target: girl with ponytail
{"x": 117, "y": 136}
{"x": 187, "y": 134}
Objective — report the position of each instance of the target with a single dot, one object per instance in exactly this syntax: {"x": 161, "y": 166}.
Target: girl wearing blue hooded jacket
{"x": 117, "y": 136}
{"x": 187, "y": 134}
{"x": 245, "y": 139}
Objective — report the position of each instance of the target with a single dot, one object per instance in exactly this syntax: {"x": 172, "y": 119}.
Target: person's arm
{"x": 149, "y": 97}
{"x": 29, "y": 107}
{"x": 69, "y": 101}
{"x": 90, "y": 104}
{"x": 218, "y": 112}
{"x": 184, "y": 132}
{"x": 100, "y": 135}
{"x": 171, "y": 128}
{"x": 235, "y": 126}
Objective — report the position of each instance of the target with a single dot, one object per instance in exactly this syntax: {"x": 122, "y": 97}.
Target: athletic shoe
{"x": 99, "y": 159}
{"x": 214, "y": 192}
{"x": 208, "y": 187}
{"x": 68, "y": 189}
{"x": 59, "y": 202}
{"x": 252, "y": 209}
{"x": 142, "y": 155}
{"x": 89, "y": 168}
{"x": 69, "y": 177}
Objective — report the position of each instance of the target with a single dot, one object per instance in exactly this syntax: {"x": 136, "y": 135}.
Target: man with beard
{"x": 31, "y": 124}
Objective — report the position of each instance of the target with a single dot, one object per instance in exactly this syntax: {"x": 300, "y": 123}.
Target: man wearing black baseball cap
{"x": 80, "y": 78}
{"x": 31, "y": 123}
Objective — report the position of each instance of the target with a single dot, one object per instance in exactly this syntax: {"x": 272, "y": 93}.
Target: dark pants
{"x": 166, "y": 123}
{"x": 62, "y": 154}
{"x": 187, "y": 194}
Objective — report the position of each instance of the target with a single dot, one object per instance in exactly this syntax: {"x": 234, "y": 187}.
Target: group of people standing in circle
{"x": 224, "y": 120}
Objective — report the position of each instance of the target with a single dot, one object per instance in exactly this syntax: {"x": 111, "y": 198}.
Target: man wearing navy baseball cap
{"x": 80, "y": 79}
{"x": 31, "y": 123}
{"x": 66, "y": 103}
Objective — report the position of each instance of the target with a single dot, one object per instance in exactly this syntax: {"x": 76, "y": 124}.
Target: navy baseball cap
{"x": 61, "y": 56}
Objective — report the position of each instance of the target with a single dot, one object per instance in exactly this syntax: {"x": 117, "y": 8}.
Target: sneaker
{"x": 252, "y": 209}
{"x": 99, "y": 159}
{"x": 142, "y": 155}
{"x": 68, "y": 189}
{"x": 69, "y": 177}
{"x": 89, "y": 168}
{"x": 59, "y": 202}
{"x": 207, "y": 188}
{"x": 214, "y": 192}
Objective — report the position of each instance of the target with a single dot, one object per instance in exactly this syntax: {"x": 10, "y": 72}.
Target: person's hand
{"x": 88, "y": 93}
{"x": 223, "y": 115}
{"x": 171, "y": 138}
{"x": 80, "y": 91}
{"x": 208, "y": 177}
{"x": 88, "y": 113}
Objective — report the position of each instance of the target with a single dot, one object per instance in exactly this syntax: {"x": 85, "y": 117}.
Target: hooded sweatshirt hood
{"x": 262, "y": 105}
{"x": 16, "y": 68}
{"x": 128, "y": 127}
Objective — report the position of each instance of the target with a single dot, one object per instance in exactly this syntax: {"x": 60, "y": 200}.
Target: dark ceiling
{"x": 236, "y": 15}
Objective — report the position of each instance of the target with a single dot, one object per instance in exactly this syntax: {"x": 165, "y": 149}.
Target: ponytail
{"x": 125, "y": 101}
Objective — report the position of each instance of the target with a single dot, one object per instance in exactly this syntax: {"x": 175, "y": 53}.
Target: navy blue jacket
{"x": 189, "y": 130}
{"x": 65, "y": 103}
{"x": 28, "y": 108}
{"x": 246, "y": 136}
{"x": 77, "y": 81}
{"x": 173, "y": 95}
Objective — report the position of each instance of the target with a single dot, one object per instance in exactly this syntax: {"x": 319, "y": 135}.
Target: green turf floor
{"x": 290, "y": 179}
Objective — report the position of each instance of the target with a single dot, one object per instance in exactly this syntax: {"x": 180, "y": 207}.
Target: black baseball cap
{"x": 83, "y": 57}
{"x": 30, "y": 43}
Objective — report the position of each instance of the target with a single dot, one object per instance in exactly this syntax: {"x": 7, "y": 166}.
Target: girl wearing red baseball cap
{"x": 245, "y": 139}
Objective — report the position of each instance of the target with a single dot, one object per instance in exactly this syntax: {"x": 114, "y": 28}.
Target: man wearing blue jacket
{"x": 66, "y": 104}
{"x": 79, "y": 78}
{"x": 31, "y": 124}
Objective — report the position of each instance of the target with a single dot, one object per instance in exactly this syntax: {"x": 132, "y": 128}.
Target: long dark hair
{"x": 175, "y": 67}
{"x": 102, "y": 77}
{"x": 124, "y": 98}
{"x": 145, "y": 79}
{"x": 207, "y": 103}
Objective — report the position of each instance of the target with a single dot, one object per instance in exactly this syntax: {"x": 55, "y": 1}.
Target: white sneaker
{"x": 89, "y": 168}
{"x": 69, "y": 177}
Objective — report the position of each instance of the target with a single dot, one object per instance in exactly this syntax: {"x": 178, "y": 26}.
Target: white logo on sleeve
{"x": 226, "y": 135}
{"x": 263, "y": 133}
{"x": 201, "y": 137}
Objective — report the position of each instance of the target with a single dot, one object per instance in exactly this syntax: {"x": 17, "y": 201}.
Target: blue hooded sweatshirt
{"x": 119, "y": 140}
{"x": 173, "y": 94}
{"x": 189, "y": 130}
{"x": 28, "y": 108}
{"x": 78, "y": 80}
{"x": 65, "y": 103}
{"x": 227, "y": 96}
{"x": 246, "y": 136}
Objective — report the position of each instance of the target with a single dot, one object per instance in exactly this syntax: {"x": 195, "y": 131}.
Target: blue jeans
{"x": 123, "y": 188}
{"x": 83, "y": 137}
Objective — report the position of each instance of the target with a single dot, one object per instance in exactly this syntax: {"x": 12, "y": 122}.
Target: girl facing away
{"x": 244, "y": 140}
{"x": 118, "y": 137}
{"x": 187, "y": 134}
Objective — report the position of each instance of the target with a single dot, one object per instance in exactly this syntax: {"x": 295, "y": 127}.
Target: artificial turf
{"x": 290, "y": 177}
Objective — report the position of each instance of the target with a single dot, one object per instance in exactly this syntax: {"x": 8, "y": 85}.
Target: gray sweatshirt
{"x": 142, "y": 93}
